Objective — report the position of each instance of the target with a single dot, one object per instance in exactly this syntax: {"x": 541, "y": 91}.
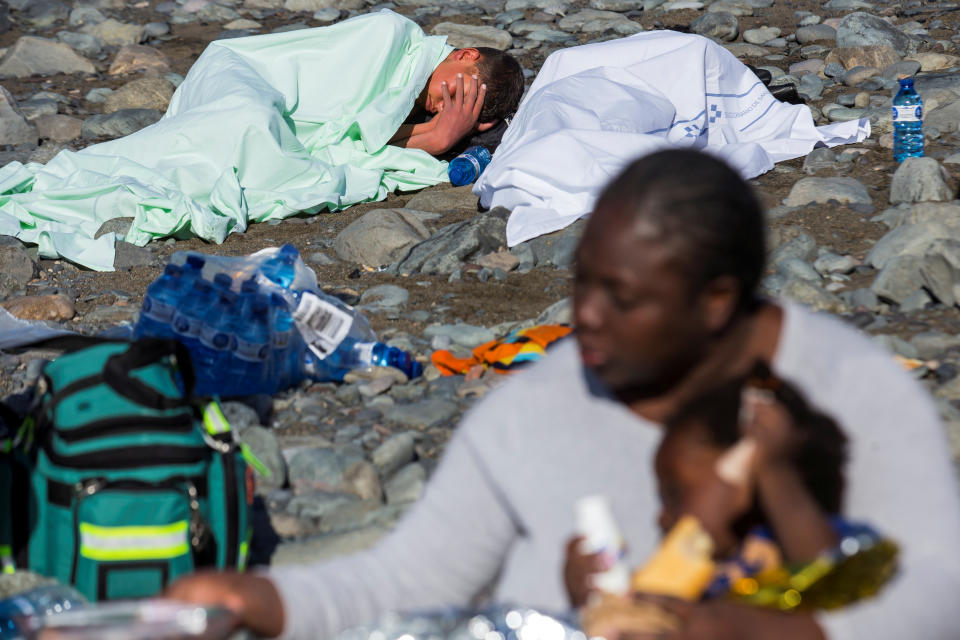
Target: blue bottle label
{"x": 158, "y": 311}
{"x": 908, "y": 113}
{"x": 186, "y": 326}
{"x": 214, "y": 339}
{"x": 281, "y": 340}
{"x": 251, "y": 351}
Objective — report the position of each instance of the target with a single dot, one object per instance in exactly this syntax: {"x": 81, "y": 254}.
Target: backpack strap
{"x": 117, "y": 370}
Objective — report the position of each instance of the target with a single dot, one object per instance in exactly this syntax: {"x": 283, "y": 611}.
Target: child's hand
{"x": 461, "y": 112}
{"x": 767, "y": 422}
{"x": 578, "y": 571}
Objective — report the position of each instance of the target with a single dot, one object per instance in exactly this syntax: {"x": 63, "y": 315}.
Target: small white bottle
{"x": 595, "y": 522}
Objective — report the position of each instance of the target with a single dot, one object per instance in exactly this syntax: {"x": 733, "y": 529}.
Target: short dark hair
{"x": 822, "y": 451}
{"x": 504, "y": 79}
{"x": 700, "y": 203}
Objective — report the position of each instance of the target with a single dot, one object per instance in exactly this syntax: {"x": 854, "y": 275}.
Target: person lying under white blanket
{"x": 594, "y": 108}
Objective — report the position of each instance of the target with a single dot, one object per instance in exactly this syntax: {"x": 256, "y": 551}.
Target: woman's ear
{"x": 486, "y": 126}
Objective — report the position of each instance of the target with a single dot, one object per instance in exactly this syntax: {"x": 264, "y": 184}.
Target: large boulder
{"x": 31, "y": 55}
{"x": 447, "y": 249}
{"x": 14, "y": 128}
{"x": 380, "y": 237}
{"x": 119, "y": 123}
{"x": 879, "y": 56}
{"x": 468, "y": 35}
{"x": 143, "y": 93}
{"x": 921, "y": 180}
{"x": 113, "y": 32}
{"x": 822, "y": 190}
{"x": 133, "y": 58}
{"x": 860, "y": 29}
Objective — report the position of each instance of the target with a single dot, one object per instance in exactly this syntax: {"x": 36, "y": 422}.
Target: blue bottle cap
{"x": 172, "y": 270}
{"x": 906, "y": 82}
{"x": 222, "y": 280}
{"x": 289, "y": 251}
{"x": 249, "y": 286}
{"x": 196, "y": 261}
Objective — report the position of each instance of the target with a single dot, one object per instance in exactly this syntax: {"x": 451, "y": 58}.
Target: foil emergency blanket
{"x": 495, "y": 623}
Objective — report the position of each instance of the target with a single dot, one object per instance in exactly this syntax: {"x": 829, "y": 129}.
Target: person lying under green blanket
{"x": 265, "y": 127}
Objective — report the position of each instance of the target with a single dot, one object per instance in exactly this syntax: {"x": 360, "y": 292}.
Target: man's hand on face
{"x": 460, "y": 112}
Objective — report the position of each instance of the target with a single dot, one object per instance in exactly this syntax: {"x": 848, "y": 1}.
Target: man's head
{"x": 499, "y": 71}
{"x": 670, "y": 258}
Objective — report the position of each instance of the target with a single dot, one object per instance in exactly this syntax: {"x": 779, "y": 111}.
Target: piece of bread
{"x": 610, "y": 616}
{"x": 682, "y": 567}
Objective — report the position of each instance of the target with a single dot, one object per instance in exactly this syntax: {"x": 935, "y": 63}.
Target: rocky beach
{"x": 851, "y": 232}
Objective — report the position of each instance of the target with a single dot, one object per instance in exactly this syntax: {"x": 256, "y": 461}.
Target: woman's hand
{"x": 578, "y": 571}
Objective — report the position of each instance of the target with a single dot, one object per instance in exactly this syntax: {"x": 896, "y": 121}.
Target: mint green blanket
{"x": 262, "y": 127}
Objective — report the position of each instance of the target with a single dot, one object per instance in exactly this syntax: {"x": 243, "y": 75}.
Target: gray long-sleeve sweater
{"x": 499, "y": 509}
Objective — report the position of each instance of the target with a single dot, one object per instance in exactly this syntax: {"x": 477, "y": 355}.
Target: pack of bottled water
{"x": 259, "y": 323}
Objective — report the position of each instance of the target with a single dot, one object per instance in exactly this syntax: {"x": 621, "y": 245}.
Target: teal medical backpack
{"x": 130, "y": 483}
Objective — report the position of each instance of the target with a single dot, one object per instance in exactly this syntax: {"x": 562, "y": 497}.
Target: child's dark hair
{"x": 822, "y": 452}
{"x": 504, "y": 79}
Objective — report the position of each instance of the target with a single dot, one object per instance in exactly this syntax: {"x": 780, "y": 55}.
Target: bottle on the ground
{"x": 907, "y": 122}
{"x": 159, "y": 305}
{"x": 352, "y": 354}
{"x": 467, "y": 167}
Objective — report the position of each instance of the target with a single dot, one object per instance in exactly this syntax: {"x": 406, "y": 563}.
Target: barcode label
{"x": 323, "y": 325}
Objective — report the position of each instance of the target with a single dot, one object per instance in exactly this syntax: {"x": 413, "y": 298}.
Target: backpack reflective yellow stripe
{"x": 6, "y": 559}
{"x": 152, "y": 542}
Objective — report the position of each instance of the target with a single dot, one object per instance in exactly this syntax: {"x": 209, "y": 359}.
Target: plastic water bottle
{"x": 467, "y": 167}
{"x": 248, "y": 371}
{"x": 192, "y": 270}
{"x": 222, "y": 282}
{"x": 188, "y": 319}
{"x": 281, "y": 268}
{"x": 284, "y": 364}
{"x": 159, "y": 304}
{"x": 49, "y": 599}
{"x": 907, "y": 122}
{"x": 352, "y": 354}
{"x": 212, "y": 353}
{"x": 596, "y": 523}
{"x": 248, "y": 290}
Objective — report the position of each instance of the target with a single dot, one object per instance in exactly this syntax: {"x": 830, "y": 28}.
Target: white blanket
{"x": 593, "y": 109}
